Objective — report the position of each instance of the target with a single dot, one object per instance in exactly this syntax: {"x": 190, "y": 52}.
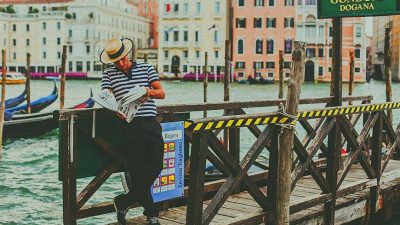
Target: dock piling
{"x": 28, "y": 82}
{"x": 205, "y": 81}
{"x": 3, "y": 97}
{"x": 388, "y": 70}
{"x": 62, "y": 77}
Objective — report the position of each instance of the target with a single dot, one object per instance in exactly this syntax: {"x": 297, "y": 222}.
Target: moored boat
{"x": 14, "y": 78}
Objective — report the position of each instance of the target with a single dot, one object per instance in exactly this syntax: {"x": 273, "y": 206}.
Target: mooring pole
{"x": 145, "y": 58}
{"x": 3, "y": 97}
{"x": 334, "y": 137}
{"x": 205, "y": 81}
{"x": 28, "y": 82}
{"x": 388, "y": 70}
{"x": 286, "y": 138}
{"x": 351, "y": 78}
{"x": 62, "y": 78}
{"x": 280, "y": 94}
{"x": 227, "y": 73}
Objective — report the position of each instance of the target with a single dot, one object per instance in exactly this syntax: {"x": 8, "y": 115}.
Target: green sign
{"x": 354, "y": 8}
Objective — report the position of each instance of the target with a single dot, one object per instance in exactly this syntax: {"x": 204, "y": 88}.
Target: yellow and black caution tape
{"x": 240, "y": 122}
{"x": 281, "y": 118}
{"x": 331, "y": 112}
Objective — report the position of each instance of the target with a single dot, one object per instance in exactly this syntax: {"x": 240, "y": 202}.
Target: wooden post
{"x": 351, "y": 78}
{"x": 388, "y": 71}
{"x": 194, "y": 213}
{"x": 145, "y": 58}
{"x": 62, "y": 78}
{"x": 226, "y": 84}
{"x": 133, "y": 52}
{"x": 3, "y": 97}
{"x": 334, "y": 137}
{"x": 205, "y": 81}
{"x": 286, "y": 138}
{"x": 280, "y": 94}
{"x": 28, "y": 82}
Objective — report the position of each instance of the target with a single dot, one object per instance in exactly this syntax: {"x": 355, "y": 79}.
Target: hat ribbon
{"x": 117, "y": 54}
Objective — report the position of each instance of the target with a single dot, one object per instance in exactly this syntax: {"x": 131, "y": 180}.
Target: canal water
{"x": 30, "y": 192}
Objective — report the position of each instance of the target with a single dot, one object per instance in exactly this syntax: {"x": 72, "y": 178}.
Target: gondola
{"x": 29, "y": 125}
{"x": 37, "y": 105}
{"x": 251, "y": 80}
{"x": 12, "y": 102}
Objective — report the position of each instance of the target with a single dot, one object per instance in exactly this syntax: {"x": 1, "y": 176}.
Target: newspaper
{"x": 127, "y": 106}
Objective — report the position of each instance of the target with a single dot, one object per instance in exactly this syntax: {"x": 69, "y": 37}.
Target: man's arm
{"x": 156, "y": 90}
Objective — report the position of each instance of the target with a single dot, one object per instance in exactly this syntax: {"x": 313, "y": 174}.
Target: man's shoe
{"x": 121, "y": 213}
{"x": 152, "y": 220}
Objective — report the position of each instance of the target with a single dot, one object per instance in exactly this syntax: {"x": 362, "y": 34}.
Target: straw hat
{"x": 115, "y": 50}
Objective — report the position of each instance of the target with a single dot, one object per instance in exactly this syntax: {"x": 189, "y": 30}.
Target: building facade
{"x": 378, "y": 46}
{"x": 188, "y": 29}
{"x": 149, "y": 9}
{"x": 42, "y": 27}
{"x": 261, "y": 29}
{"x": 318, "y": 33}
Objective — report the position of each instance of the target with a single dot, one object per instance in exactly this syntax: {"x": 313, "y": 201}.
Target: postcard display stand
{"x": 170, "y": 183}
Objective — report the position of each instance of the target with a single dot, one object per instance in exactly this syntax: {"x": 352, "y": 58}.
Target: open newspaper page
{"x": 127, "y": 106}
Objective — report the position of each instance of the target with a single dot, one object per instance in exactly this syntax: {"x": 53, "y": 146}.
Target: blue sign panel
{"x": 170, "y": 183}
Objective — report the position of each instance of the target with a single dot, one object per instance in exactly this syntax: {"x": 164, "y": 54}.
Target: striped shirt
{"x": 142, "y": 74}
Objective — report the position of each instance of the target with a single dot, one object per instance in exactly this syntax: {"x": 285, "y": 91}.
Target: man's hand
{"x": 120, "y": 115}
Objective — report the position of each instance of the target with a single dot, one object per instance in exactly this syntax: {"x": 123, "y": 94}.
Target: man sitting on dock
{"x": 142, "y": 136}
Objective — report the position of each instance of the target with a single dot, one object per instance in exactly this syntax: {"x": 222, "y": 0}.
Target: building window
{"x": 58, "y": 41}
{"x": 44, "y": 55}
{"x": 240, "y": 74}
{"x": 70, "y": 66}
{"x": 196, "y": 35}
{"x": 357, "y": 70}
{"x": 44, "y": 25}
{"x": 240, "y": 65}
{"x": 79, "y": 66}
{"x": 14, "y": 27}
{"x": 270, "y": 65}
{"x": 330, "y": 53}
{"x": 310, "y": 52}
{"x": 185, "y": 35}
{"x": 88, "y": 49}
{"x": 14, "y": 42}
{"x": 186, "y": 8}
{"x": 185, "y": 68}
{"x": 70, "y": 33}
{"x": 240, "y": 22}
{"x": 288, "y": 46}
{"x": 330, "y": 31}
{"x": 166, "y": 54}
{"x": 88, "y": 66}
{"x": 58, "y": 26}
{"x": 258, "y": 65}
{"x": 287, "y": 65}
{"x": 258, "y": 2}
{"x": 287, "y": 74}
{"x": 166, "y": 36}
{"x": 70, "y": 49}
{"x": 320, "y": 52}
{"x": 310, "y": 2}
{"x": 198, "y": 8}
{"x": 197, "y": 54}
{"x": 216, "y": 54}
{"x": 28, "y": 42}
{"x": 270, "y": 74}
{"x": 259, "y": 46}
{"x": 271, "y": 22}
{"x": 289, "y": 2}
{"x": 357, "y": 53}
{"x": 240, "y": 2}
{"x": 166, "y": 68}
{"x": 59, "y": 55}
{"x": 176, "y": 8}
{"x": 320, "y": 71}
{"x": 217, "y": 7}
{"x": 257, "y": 22}
{"x": 289, "y": 22}
{"x": 216, "y": 36}
{"x": 176, "y": 35}
{"x": 240, "y": 47}
{"x": 358, "y": 31}
{"x": 270, "y": 46}
{"x": 44, "y": 41}
{"x": 27, "y": 27}
{"x": 14, "y": 57}
{"x": 185, "y": 53}
{"x": 271, "y": 2}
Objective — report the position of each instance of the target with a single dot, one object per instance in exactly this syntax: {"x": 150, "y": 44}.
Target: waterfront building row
{"x": 42, "y": 27}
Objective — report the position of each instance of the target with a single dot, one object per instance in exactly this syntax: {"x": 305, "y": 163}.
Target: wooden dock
{"x": 241, "y": 206}
{"x": 367, "y": 177}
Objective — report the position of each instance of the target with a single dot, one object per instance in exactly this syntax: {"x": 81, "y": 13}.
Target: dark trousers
{"x": 143, "y": 152}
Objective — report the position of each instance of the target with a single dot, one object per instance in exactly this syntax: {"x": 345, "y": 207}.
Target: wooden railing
{"x": 77, "y": 125}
